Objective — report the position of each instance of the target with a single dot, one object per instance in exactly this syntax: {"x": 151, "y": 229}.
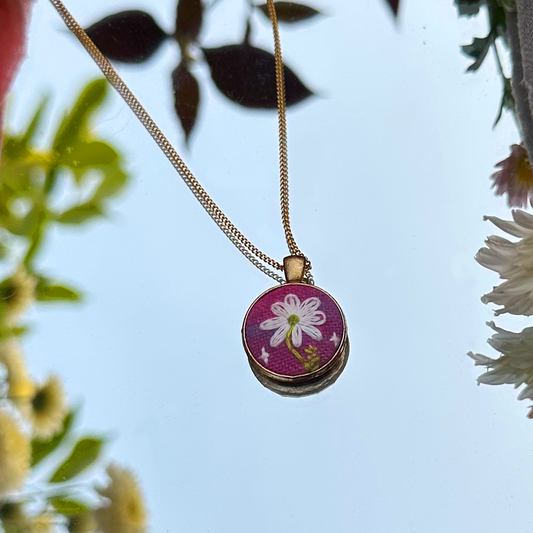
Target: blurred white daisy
{"x": 514, "y": 366}
{"x": 514, "y": 263}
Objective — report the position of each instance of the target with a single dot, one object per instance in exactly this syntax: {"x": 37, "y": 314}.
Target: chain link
{"x": 251, "y": 252}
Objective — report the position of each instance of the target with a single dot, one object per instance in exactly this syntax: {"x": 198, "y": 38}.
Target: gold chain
{"x": 251, "y": 252}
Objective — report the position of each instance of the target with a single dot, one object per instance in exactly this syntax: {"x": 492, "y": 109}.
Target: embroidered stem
{"x": 289, "y": 345}
{"x": 313, "y": 359}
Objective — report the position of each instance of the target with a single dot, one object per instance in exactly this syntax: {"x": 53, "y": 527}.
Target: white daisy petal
{"x": 313, "y": 332}
{"x": 317, "y": 319}
{"x": 309, "y": 306}
{"x": 297, "y": 336}
{"x": 279, "y": 336}
{"x": 280, "y": 309}
{"x": 293, "y": 303}
{"x": 273, "y": 323}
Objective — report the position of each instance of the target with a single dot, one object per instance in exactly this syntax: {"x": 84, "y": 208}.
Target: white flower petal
{"x": 280, "y": 309}
{"x": 317, "y": 319}
{"x": 274, "y": 323}
{"x": 309, "y": 306}
{"x": 509, "y": 227}
{"x": 297, "y": 336}
{"x": 279, "y": 336}
{"x": 523, "y": 219}
{"x": 293, "y": 304}
{"x": 313, "y": 332}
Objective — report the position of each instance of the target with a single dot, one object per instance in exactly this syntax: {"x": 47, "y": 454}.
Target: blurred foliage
{"x": 241, "y": 72}
{"x": 479, "y": 48}
{"x": 43, "y": 459}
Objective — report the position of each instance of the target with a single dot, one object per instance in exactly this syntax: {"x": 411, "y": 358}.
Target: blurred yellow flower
{"x": 15, "y": 454}
{"x": 42, "y": 523}
{"x": 82, "y": 523}
{"x": 20, "y": 386}
{"x": 48, "y": 409}
{"x": 13, "y": 517}
{"x": 18, "y": 293}
{"x": 125, "y": 512}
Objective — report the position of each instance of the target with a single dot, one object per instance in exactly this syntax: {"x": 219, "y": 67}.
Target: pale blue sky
{"x": 389, "y": 177}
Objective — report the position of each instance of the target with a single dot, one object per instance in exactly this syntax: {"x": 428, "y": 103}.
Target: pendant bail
{"x": 294, "y": 266}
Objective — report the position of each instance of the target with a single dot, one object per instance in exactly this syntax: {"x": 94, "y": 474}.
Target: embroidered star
{"x": 335, "y": 339}
{"x": 264, "y": 355}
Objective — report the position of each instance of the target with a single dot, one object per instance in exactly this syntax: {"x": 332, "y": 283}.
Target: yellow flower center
{"x": 293, "y": 320}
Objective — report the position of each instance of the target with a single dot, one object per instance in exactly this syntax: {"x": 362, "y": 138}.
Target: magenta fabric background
{"x": 280, "y": 359}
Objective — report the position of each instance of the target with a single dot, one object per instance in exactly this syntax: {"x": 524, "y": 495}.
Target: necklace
{"x": 295, "y": 333}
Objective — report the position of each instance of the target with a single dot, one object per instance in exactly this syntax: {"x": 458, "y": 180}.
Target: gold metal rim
{"x": 300, "y": 378}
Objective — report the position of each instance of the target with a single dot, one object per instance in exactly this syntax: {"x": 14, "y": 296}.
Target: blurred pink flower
{"x": 14, "y": 15}
{"x": 515, "y": 177}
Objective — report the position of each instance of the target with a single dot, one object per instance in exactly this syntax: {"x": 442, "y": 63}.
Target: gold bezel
{"x": 302, "y": 384}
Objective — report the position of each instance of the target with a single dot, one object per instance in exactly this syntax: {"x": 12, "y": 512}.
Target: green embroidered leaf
{"x": 85, "y": 453}
{"x": 79, "y": 214}
{"x": 40, "y": 449}
{"x": 67, "y": 506}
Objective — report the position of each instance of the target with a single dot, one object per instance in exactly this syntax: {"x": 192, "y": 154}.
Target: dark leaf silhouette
{"x": 468, "y": 7}
{"x": 246, "y": 75}
{"x": 291, "y": 12}
{"x": 394, "y": 5}
{"x": 478, "y": 50}
{"x": 129, "y": 36}
{"x": 188, "y": 20}
{"x": 186, "y": 97}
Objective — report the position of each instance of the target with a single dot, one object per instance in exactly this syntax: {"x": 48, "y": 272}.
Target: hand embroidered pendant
{"x": 296, "y": 339}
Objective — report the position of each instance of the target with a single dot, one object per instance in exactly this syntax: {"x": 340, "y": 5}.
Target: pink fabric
{"x": 277, "y": 304}
{"x": 14, "y": 15}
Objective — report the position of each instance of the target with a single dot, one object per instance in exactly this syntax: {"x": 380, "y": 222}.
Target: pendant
{"x": 295, "y": 337}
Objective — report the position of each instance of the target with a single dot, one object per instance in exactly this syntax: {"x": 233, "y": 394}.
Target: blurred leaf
{"x": 186, "y": 97}
{"x": 128, "y": 36}
{"x": 35, "y": 121}
{"x": 246, "y": 75}
{"x": 85, "y": 453}
{"x": 394, "y": 5}
{"x": 188, "y": 20}
{"x": 84, "y": 154}
{"x": 290, "y": 12}
{"x": 48, "y": 293}
{"x": 90, "y": 98}
{"x": 507, "y": 103}
{"x": 79, "y": 214}
{"x": 66, "y": 506}
{"x": 43, "y": 448}
{"x": 112, "y": 183}
{"x": 26, "y": 225}
{"x": 478, "y": 50}
{"x": 469, "y": 7}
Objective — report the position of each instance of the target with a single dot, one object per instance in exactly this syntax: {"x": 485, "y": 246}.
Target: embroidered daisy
{"x": 295, "y": 316}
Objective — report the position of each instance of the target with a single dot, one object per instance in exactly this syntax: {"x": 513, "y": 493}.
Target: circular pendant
{"x": 296, "y": 339}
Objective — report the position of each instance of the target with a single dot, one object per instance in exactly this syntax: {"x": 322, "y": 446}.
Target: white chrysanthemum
{"x": 514, "y": 366}
{"x": 15, "y": 454}
{"x": 294, "y": 317}
{"x": 48, "y": 408}
{"x": 20, "y": 385}
{"x": 514, "y": 262}
{"x": 125, "y": 512}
